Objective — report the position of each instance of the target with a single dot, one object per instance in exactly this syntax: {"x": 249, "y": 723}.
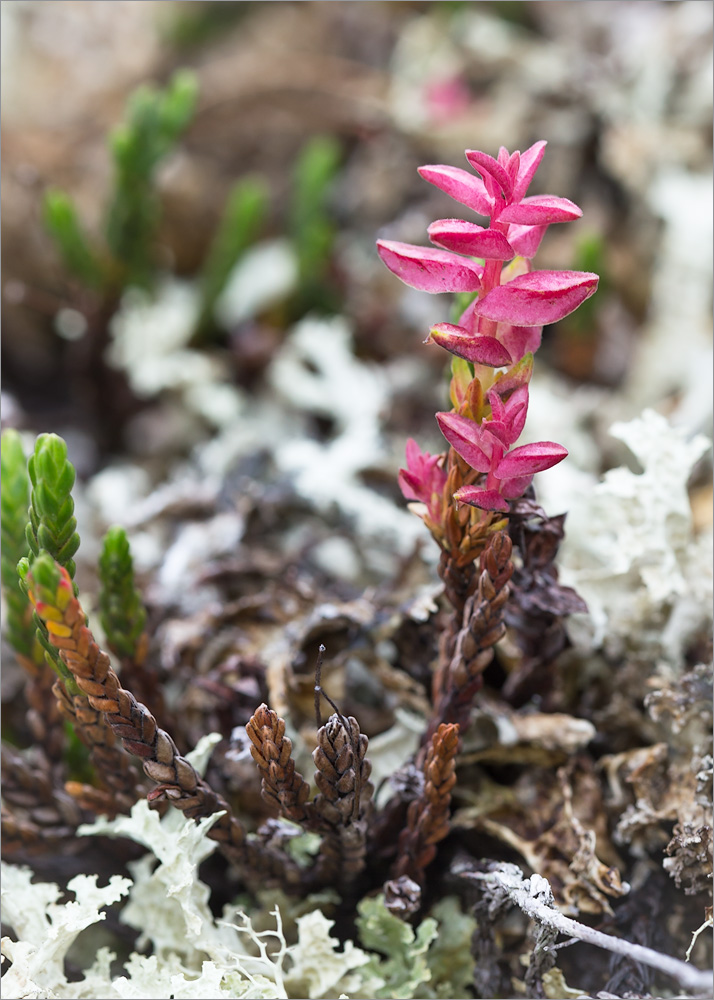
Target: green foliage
{"x": 312, "y": 229}
{"x": 19, "y": 630}
{"x": 60, "y": 217}
{"x": 243, "y": 217}
{"x": 52, "y": 528}
{"x": 52, "y": 523}
{"x": 122, "y": 613}
{"x": 404, "y": 968}
{"x": 155, "y": 120}
{"x": 589, "y": 256}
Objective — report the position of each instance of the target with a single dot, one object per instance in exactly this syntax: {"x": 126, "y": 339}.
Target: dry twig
{"x": 535, "y": 898}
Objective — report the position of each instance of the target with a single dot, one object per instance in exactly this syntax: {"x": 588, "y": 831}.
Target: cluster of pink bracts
{"x": 502, "y": 326}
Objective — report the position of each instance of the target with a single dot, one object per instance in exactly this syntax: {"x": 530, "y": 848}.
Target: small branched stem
{"x": 50, "y": 589}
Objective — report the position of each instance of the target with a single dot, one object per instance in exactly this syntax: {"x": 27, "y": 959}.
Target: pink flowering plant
{"x": 493, "y": 343}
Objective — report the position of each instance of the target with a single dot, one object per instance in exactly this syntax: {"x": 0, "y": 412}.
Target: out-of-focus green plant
{"x": 155, "y": 120}
{"x": 243, "y": 217}
{"x": 61, "y": 221}
{"x": 311, "y": 227}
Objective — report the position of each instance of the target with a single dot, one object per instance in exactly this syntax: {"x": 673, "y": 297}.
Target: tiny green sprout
{"x": 123, "y": 615}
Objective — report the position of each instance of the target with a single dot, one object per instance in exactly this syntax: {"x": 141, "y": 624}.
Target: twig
{"x": 535, "y": 898}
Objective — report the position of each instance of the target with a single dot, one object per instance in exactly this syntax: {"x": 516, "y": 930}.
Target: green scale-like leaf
{"x": 123, "y": 615}
{"x": 19, "y": 630}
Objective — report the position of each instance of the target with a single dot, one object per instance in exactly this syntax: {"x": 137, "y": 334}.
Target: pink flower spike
{"x": 491, "y": 169}
{"x": 525, "y": 240}
{"x": 530, "y": 161}
{"x": 428, "y": 269}
{"x": 460, "y": 185}
{"x": 467, "y": 237}
{"x": 485, "y": 499}
{"x": 541, "y": 210}
{"x": 537, "y": 298}
{"x": 529, "y": 459}
{"x": 467, "y": 438}
{"x": 477, "y": 350}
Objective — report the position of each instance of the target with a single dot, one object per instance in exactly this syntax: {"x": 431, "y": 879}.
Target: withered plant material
{"x": 271, "y": 750}
{"x": 35, "y": 810}
{"x": 402, "y": 896}
{"x": 428, "y": 816}
{"x": 50, "y": 588}
{"x": 457, "y": 681}
{"x": 112, "y": 764}
{"x": 539, "y": 603}
{"x": 344, "y": 802}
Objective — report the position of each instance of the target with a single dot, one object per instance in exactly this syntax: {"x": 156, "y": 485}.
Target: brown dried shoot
{"x": 271, "y": 750}
{"x": 345, "y": 798}
{"x": 428, "y": 816}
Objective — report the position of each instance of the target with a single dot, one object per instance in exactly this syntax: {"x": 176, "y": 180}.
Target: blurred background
{"x": 220, "y": 301}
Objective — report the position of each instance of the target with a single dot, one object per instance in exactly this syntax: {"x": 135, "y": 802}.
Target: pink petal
{"x": 478, "y": 350}
{"x": 516, "y": 409}
{"x": 460, "y": 185}
{"x": 520, "y": 340}
{"x": 520, "y": 374}
{"x": 499, "y": 430}
{"x": 428, "y": 269}
{"x": 490, "y": 168}
{"x": 485, "y": 499}
{"x": 414, "y": 453}
{"x": 540, "y": 210}
{"x": 512, "y": 166}
{"x": 463, "y": 435}
{"x": 530, "y": 161}
{"x": 466, "y": 237}
{"x": 525, "y": 240}
{"x": 516, "y": 487}
{"x": 537, "y": 298}
{"x": 409, "y": 485}
{"x": 529, "y": 459}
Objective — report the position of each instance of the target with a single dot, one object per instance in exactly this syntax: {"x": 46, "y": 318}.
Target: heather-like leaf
{"x": 491, "y": 171}
{"x": 479, "y": 350}
{"x": 467, "y": 438}
{"x": 525, "y": 240}
{"x": 428, "y": 269}
{"x": 530, "y": 458}
{"x": 468, "y": 238}
{"x": 541, "y": 210}
{"x": 537, "y": 298}
{"x": 474, "y": 496}
{"x": 530, "y": 161}
{"x": 460, "y": 185}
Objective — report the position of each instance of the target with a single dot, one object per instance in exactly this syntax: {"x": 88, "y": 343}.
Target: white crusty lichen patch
{"x": 631, "y": 552}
